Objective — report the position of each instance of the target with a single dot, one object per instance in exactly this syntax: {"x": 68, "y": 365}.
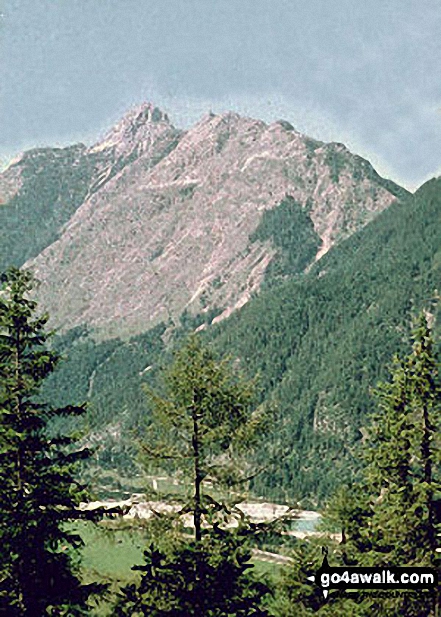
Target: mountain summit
{"x": 137, "y": 130}
{"x": 153, "y": 222}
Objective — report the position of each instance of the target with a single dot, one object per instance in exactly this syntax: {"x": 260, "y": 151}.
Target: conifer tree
{"x": 38, "y": 564}
{"x": 201, "y": 427}
{"x": 389, "y": 518}
{"x": 402, "y": 452}
{"x": 208, "y": 578}
{"x": 297, "y": 597}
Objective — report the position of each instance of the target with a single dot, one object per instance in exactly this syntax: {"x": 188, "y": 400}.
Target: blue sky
{"x": 363, "y": 73}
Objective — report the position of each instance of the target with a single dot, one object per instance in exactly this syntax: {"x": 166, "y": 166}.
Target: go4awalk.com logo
{"x": 328, "y": 577}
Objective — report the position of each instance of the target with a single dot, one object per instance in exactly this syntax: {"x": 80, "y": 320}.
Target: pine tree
{"x": 298, "y": 597}
{"x": 389, "y": 518}
{"x": 200, "y": 429}
{"x": 403, "y": 454}
{"x": 38, "y": 563}
{"x": 388, "y": 481}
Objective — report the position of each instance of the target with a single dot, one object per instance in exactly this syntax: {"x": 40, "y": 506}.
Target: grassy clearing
{"x": 109, "y": 553}
{"x": 108, "y": 556}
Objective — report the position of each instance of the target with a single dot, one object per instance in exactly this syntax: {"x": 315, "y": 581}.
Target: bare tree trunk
{"x": 18, "y": 412}
{"x": 197, "y": 477}
{"x": 428, "y": 479}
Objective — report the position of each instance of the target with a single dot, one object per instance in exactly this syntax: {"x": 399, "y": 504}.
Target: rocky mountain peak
{"x": 137, "y": 129}
{"x": 159, "y": 223}
{"x": 145, "y": 131}
{"x": 139, "y": 115}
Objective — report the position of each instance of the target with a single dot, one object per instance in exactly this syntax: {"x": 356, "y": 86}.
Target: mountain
{"x": 39, "y": 193}
{"x": 152, "y": 223}
{"x": 42, "y": 189}
{"x": 292, "y": 255}
{"x": 318, "y": 342}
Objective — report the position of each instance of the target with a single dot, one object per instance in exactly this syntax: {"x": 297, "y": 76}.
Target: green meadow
{"x": 111, "y": 550}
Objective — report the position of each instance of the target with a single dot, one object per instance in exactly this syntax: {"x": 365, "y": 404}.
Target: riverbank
{"x": 138, "y": 507}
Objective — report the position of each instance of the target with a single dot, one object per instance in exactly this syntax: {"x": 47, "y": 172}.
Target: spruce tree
{"x": 38, "y": 558}
{"x": 392, "y": 518}
{"x": 297, "y": 597}
{"x": 402, "y": 451}
{"x": 208, "y": 578}
{"x": 389, "y": 517}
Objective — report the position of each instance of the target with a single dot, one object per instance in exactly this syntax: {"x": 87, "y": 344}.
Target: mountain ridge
{"x": 164, "y": 219}
{"x": 318, "y": 344}
{"x": 322, "y": 343}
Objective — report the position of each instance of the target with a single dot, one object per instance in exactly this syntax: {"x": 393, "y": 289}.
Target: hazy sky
{"x": 366, "y": 73}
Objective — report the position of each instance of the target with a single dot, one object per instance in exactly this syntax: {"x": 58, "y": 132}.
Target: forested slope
{"x": 50, "y": 184}
{"x": 319, "y": 343}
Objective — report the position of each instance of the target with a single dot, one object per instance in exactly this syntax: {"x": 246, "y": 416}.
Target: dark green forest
{"x": 204, "y": 427}
{"x": 318, "y": 343}
{"x": 55, "y": 183}
{"x": 291, "y": 230}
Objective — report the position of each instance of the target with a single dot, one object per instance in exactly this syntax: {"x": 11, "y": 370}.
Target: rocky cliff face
{"x": 144, "y": 131}
{"x": 170, "y": 219}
